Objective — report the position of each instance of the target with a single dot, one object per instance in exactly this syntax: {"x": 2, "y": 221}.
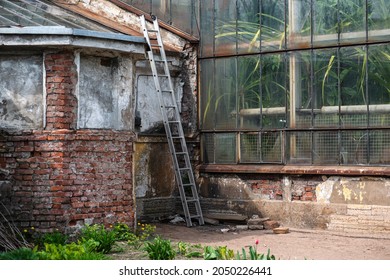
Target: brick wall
{"x": 62, "y": 178}
{"x": 61, "y": 79}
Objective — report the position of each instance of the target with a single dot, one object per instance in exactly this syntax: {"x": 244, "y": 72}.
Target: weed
{"x": 218, "y": 253}
{"x": 98, "y": 238}
{"x": 160, "y": 249}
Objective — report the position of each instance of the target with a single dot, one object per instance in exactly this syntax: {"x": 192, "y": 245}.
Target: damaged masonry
{"x": 286, "y": 129}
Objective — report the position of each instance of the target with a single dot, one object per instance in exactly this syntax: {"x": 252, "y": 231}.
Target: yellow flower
{"x": 139, "y": 224}
{"x": 142, "y": 228}
{"x": 32, "y": 228}
{"x": 25, "y": 230}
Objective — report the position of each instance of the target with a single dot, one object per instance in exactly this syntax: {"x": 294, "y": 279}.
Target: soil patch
{"x": 296, "y": 245}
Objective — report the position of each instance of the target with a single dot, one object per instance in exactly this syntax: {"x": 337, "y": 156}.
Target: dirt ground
{"x": 296, "y": 245}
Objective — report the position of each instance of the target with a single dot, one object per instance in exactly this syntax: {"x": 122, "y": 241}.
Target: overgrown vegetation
{"x": 97, "y": 242}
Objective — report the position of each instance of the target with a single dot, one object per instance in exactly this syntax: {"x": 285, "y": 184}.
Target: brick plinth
{"x": 65, "y": 178}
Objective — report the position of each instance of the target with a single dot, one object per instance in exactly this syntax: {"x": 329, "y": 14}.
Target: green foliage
{"x": 51, "y": 238}
{"x": 72, "y": 251}
{"x": 20, "y": 254}
{"x": 160, "y": 249}
{"x": 122, "y": 232}
{"x": 218, "y": 253}
{"x": 98, "y": 237}
{"x": 253, "y": 255}
{"x": 142, "y": 233}
{"x": 188, "y": 250}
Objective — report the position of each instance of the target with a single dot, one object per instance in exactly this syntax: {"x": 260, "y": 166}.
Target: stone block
{"x": 271, "y": 224}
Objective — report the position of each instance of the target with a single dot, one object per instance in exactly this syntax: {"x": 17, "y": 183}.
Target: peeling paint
{"x": 346, "y": 193}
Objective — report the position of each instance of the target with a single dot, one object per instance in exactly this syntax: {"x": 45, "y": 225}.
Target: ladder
{"x": 172, "y": 123}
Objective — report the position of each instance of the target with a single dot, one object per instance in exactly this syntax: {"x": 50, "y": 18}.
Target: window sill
{"x": 297, "y": 170}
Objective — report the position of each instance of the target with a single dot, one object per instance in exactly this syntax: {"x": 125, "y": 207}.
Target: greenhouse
{"x": 285, "y": 106}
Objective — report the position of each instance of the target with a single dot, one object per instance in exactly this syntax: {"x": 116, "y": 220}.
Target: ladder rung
{"x": 184, "y": 168}
{"x": 192, "y": 200}
{"x": 181, "y": 153}
{"x": 194, "y": 216}
{"x": 155, "y": 45}
{"x": 152, "y": 30}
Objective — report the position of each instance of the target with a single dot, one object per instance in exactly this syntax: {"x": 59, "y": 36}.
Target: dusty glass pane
{"x": 225, "y": 148}
{"x": 300, "y": 89}
{"x": 325, "y": 88}
{"x": 208, "y": 96}
{"x": 208, "y": 148}
{"x": 272, "y": 27}
{"x": 354, "y": 145}
{"x": 353, "y": 63}
{"x": 248, "y": 86}
{"x": 225, "y": 93}
{"x": 271, "y": 147}
{"x": 299, "y": 25}
{"x": 207, "y": 29}
{"x": 299, "y": 147}
{"x": 326, "y": 147}
{"x": 379, "y": 147}
{"x": 248, "y": 26}
{"x": 144, "y": 5}
{"x": 250, "y": 151}
{"x": 225, "y": 27}
{"x": 274, "y": 79}
{"x": 325, "y": 23}
{"x": 378, "y": 19}
{"x": 352, "y": 17}
{"x": 182, "y": 12}
{"x": 379, "y": 85}
{"x": 162, "y": 9}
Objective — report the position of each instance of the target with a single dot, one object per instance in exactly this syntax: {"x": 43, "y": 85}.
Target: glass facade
{"x": 295, "y": 81}
{"x": 182, "y": 14}
{"x": 290, "y": 81}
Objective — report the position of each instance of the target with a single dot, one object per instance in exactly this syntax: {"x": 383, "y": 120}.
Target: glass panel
{"x": 248, "y": 85}
{"x": 207, "y": 28}
{"x": 274, "y": 78}
{"x": 225, "y": 94}
{"x": 183, "y": 15}
{"x": 325, "y": 88}
{"x": 379, "y": 85}
{"x": 225, "y": 148}
{"x": 250, "y": 147}
{"x": 299, "y": 24}
{"x": 300, "y": 147}
{"x": 208, "y": 148}
{"x": 352, "y": 75}
{"x": 352, "y": 15}
{"x": 272, "y": 25}
{"x": 208, "y": 96}
{"x": 225, "y": 27}
{"x": 378, "y": 19}
{"x": 380, "y": 147}
{"x": 162, "y": 9}
{"x": 325, "y": 27}
{"x": 248, "y": 26}
{"x": 141, "y": 4}
{"x": 300, "y": 88}
{"x": 326, "y": 147}
{"x": 271, "y": 146}
{"x": 354, "y": 147}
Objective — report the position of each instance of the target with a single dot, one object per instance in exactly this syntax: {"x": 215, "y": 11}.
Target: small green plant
{"x": 20, "y": 254}
{"x": 253, "y": 255}
{"x": 72, "y": 251}
{"x": 160, "y": 249}
{"x": 102, "y": 239}
{"x": 122, "y": 231}
{"x": 188, "y": 250}
{"x": 55, "y": 237}
{"x": 218, "y": 253}
{"x": 142, "y": 233}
